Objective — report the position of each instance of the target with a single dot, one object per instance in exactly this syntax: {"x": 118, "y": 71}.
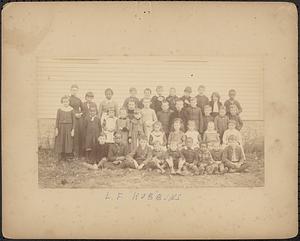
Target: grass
{"x": 72, "y": 174}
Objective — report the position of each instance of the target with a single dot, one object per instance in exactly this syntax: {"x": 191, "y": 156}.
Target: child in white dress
{"x": 149, "y": 116}
{"x": 109, "y": 125}
{"x": 193, "y": 133}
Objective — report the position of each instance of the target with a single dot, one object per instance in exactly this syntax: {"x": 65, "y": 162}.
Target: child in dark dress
{"x": 164, "y": 117}
{"x": 179, "y": 113}
{"x": 215, "y": 104}
{"x": 158, "y": 99}
{"x": 79, "y": 135}
{"x": 221, "y": 122}
{"x": 172, "y": 98}
{"x": 92, "y": 129}
{"x": 89, "y": 97}
{"x": 64, "y": 129}
{"x": 202, "y": 99}
{"x": 99, "y": 154}
{"x": 186, "y": 98}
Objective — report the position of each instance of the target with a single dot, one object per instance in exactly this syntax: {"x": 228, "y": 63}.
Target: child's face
{"x": 191, "y": 126}
{"x": 186, "y": 93}
{"x": 210, "y": 126}
{"x": 172, "y": 92}
{"x": 176, "y": 126}
{"x": 147, "y": 93}
{"x": 193, "y": 103}
{"x": 165, "y": 106}
{"x": 89, "y": 98}
{"x": 156, "y": 127}
{"x": 65, "y": 102}
{"x": 117, "y": 138}
{"x": 207, "y": 111}
{"x": 231, "y": 126}
{"x": 173, "y": 146}
{"x": 160, "y": 91}
{"x": 131, "y": 105}
{"x": 123, "y": 113}
{"x": 108, "y": 95}
{"x": 189, "y": 143}
{"x": 143, "y": 143}
{"x": 201, "y": 91}
{"x": 133, "y": 93}
{"x": 146, "y": 104}
{"x": 111, "y": 113}
{"x": 101, "y": 140}
{"x": 179, "y": 105}
{"x": 215, "y": 98}
{"x": 222, "y": 112}
{"x": 74, "y": 91}
{"x": 232, "y": 95}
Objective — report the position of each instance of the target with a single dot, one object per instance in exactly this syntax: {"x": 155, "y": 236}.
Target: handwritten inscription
{"x": 147, "y": 196}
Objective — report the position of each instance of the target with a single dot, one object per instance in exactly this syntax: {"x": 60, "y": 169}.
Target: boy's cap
{"x": 188, "y": 89}
{"x": 89, "y": 94}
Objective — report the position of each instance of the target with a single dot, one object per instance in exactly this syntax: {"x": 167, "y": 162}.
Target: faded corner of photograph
{"x": 150, "y": 121}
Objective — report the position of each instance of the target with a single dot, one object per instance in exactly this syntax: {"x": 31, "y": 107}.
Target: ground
{"x": 72, "y": 174}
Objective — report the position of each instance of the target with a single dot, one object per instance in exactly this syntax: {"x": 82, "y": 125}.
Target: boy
{"x": 233, "y": 115}
{"x": 207, "y": 117}
{"x": 164, "y": 117}
{"x": 232, "y": 101}
{"x": 172, "y": 98}
{"x": 131, "y": 107}
{"x": 194, "y": 113}
{"x": 202, "y": 99}
{"x": 186, "y": 98}
{"x": 190, "y": 157}
{"x": 117, "y": 153}
{"x": 221, "y": 122}
{"x": 147, "y": 95}
{"x": 107, "y": 104}
{"x": 139, "y": 155}
{"x": 216, "y": 152}
{"x": 132, "y": 97}
{"x": 158, "y": 159}
{"x": 99, "y": 153}
{"x": 174, "y": 158}
{"x": 205, "y": 161}
{"x": 178, "y": 113}
{"x": 89, "y": 97}
{"x": 157, "y": 100}
{"x": 233, "y": 157}
{"x": 232, "y": 131}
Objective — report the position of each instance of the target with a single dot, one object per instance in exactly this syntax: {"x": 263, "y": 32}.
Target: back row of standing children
{"x": 161, "y": 119}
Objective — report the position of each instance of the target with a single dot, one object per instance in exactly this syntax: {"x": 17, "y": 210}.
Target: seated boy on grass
{"x": 190, "y": 157}
{"x": 233, "y": 157}
{"x": 206, "y": 164}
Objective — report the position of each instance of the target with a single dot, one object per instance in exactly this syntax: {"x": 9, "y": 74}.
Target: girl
{"x": 107, "y": 104}
{"x": 193, "y": 133}
{"x": 158, "y": 135}
{"x": 79, "y": 136}
{"x": 136, "y": 129}
{"x": 64, "y": 129}
{"x": 149, "y": 116}
{"x": 211, "y": 136}
{"x": 109, "y": 125}
{"x": 89, "y": 97}
{"x": 123, "y": 125}
{"x": 177, "y": 135}
{"x": 215, "y": 104}
{"x": 92, "y": 130}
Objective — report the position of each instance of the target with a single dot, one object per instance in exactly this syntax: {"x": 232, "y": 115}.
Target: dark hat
{"x": 188, "y": 89}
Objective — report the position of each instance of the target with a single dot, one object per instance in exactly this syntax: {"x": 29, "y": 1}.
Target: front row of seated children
{"x": 177, "y": 159}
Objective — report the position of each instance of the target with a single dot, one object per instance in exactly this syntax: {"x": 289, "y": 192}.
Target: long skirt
{"x": 64, "y": 140}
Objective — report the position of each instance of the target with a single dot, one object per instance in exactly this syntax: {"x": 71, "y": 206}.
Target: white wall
{"x": 245, "y": 74}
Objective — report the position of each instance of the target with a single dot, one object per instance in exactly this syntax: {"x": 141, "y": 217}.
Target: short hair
{"x": 109, "y": 90}
{"x": 74, "y": 86}
{"x": 177, "y": 120}
{"x": 64, "y": 98}
{"x": 232, "y": 91}
{"x": 132, "y": 89}
{"x": 215, "y": 94}
{"x": 148, "y": 89}
{"x": 159, "y": 87}
{"x": 188, "y": 89}
{"x": 89, "y": 94}
{"x": 232, "y": 122}
{"x": 201, "y": 87}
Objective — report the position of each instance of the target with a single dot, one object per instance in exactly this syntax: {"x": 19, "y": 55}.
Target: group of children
{"x": 180, "y": 134}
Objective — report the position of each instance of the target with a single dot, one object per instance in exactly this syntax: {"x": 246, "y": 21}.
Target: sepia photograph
{"x": 150, "y": 121}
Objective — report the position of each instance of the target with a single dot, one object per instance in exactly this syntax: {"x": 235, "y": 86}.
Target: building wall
{"x": 252, "y": 132}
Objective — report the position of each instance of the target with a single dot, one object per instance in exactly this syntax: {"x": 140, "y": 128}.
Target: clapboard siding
{"x": 245, "y": 74}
